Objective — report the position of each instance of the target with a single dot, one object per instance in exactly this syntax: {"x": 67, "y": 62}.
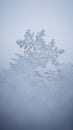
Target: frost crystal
{"x": 38, "y": 51}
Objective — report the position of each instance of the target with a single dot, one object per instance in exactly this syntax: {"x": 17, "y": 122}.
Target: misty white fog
{"x": 36, "y": 65}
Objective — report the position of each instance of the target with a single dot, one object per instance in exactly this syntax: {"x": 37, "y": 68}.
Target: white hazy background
{"x": 16, "y": 16}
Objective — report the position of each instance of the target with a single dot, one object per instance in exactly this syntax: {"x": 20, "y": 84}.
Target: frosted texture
{"x": 37, "y": 91}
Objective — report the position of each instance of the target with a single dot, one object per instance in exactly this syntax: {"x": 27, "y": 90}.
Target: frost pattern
{"x": 38, "y": 52}
{"x": 36, "y": 48}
